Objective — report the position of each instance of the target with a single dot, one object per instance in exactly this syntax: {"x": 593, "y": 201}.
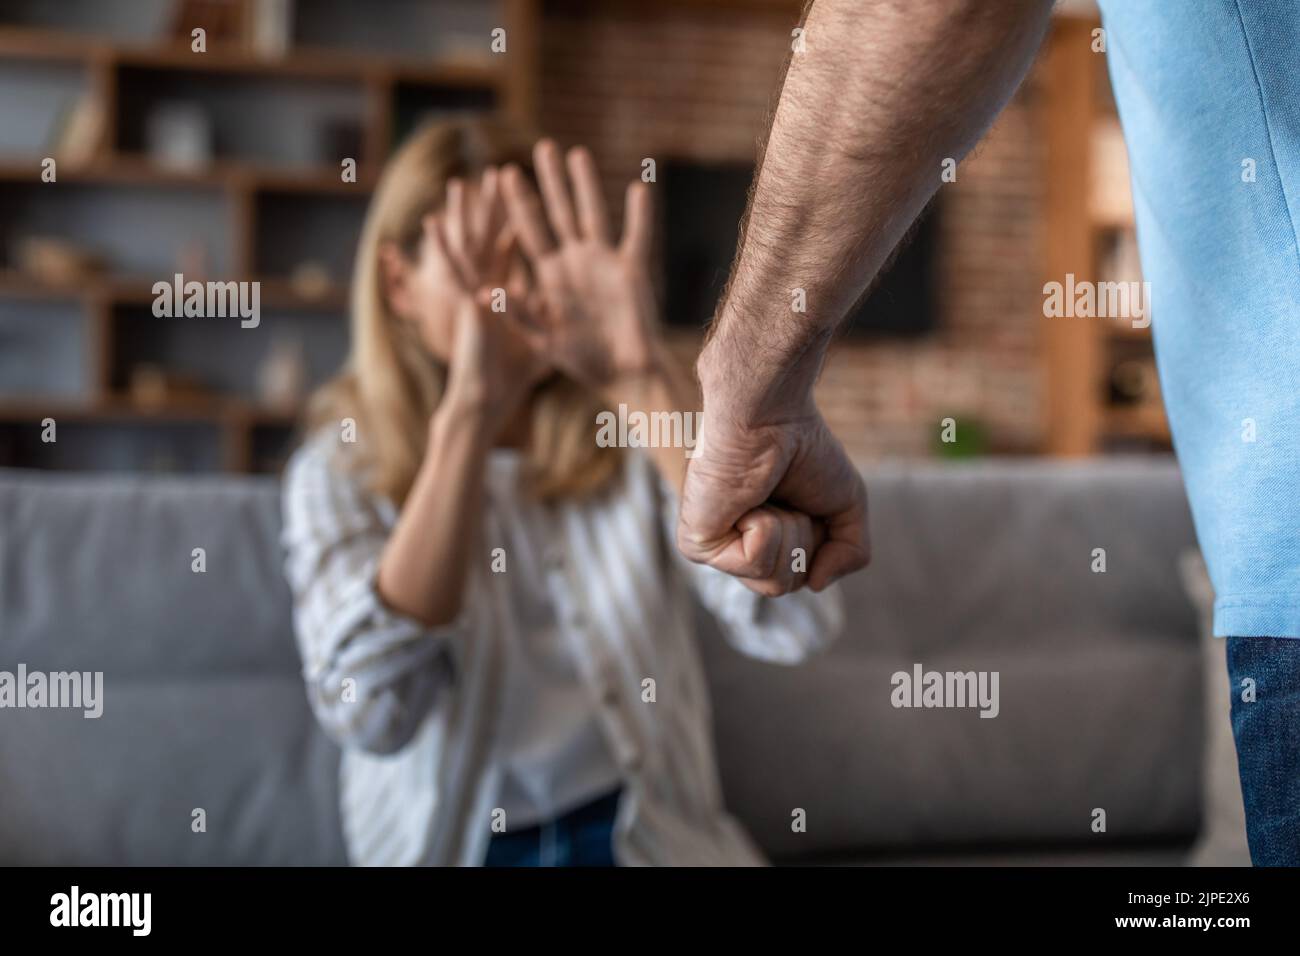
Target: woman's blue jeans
{"x": 582, "y": 837}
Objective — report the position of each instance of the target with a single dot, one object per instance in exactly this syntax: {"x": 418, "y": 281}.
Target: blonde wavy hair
{"x": 390, "y": 384}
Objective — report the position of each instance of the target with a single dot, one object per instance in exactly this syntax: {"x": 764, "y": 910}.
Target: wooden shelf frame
{"x": 1077, "y": 419}
{"x": 300, "y": 63}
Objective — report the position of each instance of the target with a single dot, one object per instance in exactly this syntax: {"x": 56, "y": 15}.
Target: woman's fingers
{"x": 541, "y": 223}
{"x": 455, "y": 214}
{"x": 454, "y": 226}
{"x": 638, "y": 221}
{"x": 501, "y": 256}
{"x": 439, "y": 246}
{"x": 484, "y": 219}
{"x": 555, "y": 191}
{"x": 592, "y": 216}
{"x": 464, "y": 215}
{"x": 526, "y": 215}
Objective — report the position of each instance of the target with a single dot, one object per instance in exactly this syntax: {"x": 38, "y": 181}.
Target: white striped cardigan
{"x": 419, "y": 773}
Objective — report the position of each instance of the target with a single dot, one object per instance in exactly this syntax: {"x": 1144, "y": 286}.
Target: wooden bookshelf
{"x": 244, "y": 197}
{"x": 1088, "y": 214}
{"x": 300, "y": 63}
{"x": 230, "y": 175}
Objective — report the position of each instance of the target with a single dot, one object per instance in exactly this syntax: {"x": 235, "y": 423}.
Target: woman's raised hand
{"x": 592, "y": 310}
{"x": 472, "y": 233}
{"x": 492, "y": 363}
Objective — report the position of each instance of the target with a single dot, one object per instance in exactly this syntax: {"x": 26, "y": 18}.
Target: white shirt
{"x": 424, "y": 714}
{"x": 553, "y": 755}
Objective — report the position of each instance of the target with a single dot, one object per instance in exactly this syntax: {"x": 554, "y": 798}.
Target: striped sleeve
{"x": 372, "y": 675}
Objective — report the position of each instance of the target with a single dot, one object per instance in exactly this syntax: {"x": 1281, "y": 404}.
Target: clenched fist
{"x": 764, "y": 481}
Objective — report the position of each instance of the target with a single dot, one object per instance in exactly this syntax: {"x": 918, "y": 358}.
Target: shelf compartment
{"x": 220, "y": 357}
{"x": 410, "y": 29}
{"x": 135, "y": 229}
{"x": 282, "y": 122}
{"x": 32, "y": 124}
{"x": 417, "y": 103}
{"x": 293, "y": 229}
{"x": 48, "y": 24}
{"x": 46, "y": 350}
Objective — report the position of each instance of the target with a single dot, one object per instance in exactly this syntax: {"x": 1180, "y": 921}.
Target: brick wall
{"x": 672, "y": 79}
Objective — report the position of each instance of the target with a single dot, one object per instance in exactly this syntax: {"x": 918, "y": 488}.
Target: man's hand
{"x": 882, "y": 97}
{"x": 745, "y": 460}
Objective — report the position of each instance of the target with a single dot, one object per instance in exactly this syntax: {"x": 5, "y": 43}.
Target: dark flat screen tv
{"x": 702, "y": 208}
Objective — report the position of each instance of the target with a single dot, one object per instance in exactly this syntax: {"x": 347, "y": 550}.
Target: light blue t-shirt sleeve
{"x": 1209, "y": 97}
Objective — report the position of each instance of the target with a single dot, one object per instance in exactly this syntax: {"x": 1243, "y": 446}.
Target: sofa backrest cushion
{"x": 985, "y": 568}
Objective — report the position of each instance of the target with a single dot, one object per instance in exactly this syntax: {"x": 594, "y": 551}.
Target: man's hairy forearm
{"x": 883, "y": 93}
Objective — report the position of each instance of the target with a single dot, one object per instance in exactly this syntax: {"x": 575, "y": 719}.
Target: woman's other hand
{"x": 492, "y": 365}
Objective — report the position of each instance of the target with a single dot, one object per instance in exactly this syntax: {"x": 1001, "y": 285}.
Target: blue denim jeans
{"x": 1267, "y": 731}
{"x": 582, "y": 837}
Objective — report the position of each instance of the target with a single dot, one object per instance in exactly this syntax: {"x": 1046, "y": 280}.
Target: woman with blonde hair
{"x": 493, "y": 620}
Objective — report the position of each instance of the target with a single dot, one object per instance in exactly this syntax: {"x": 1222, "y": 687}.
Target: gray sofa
{"x": 983, "y": 567}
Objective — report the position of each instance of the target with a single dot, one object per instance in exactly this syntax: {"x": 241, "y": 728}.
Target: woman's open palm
{"x": 594, "y": 314}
